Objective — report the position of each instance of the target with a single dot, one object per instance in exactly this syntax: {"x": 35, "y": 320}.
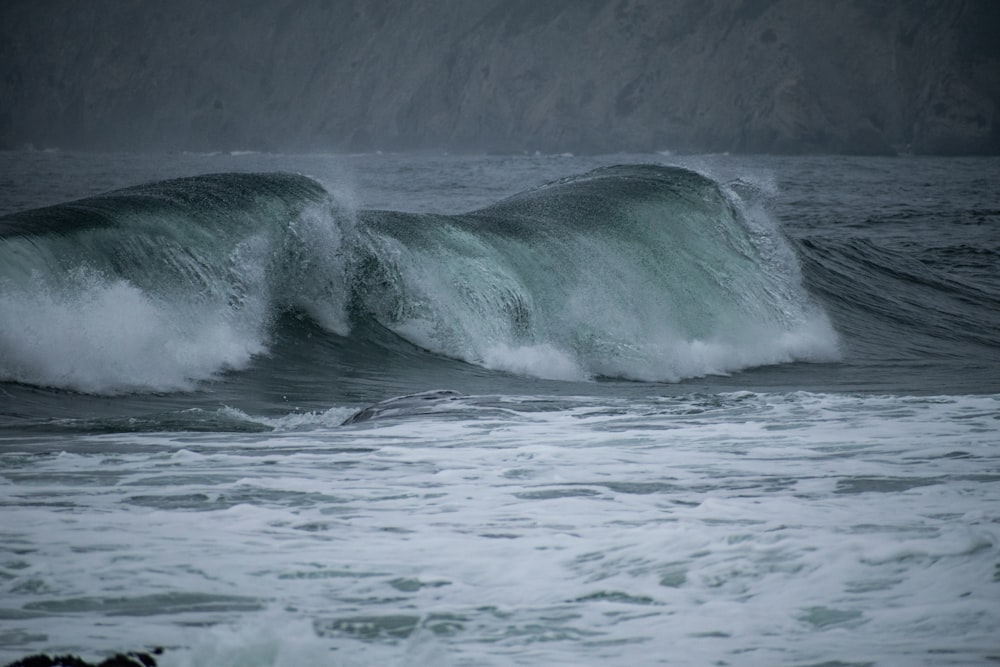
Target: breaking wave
{"x": 640, "y": 272}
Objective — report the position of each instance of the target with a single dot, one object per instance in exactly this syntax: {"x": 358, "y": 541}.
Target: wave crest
{"x": 642, "y": 272}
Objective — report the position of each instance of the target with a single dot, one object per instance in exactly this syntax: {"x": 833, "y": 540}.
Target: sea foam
{"x": 107, "y": 336}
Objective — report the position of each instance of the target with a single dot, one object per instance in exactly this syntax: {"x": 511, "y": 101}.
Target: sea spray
{"x": 107, "y": 336}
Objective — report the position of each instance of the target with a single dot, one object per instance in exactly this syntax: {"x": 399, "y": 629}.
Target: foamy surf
{"x": 496, "y": 530}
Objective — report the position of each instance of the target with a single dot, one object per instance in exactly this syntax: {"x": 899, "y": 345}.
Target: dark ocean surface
{"x": 493, "y": 410}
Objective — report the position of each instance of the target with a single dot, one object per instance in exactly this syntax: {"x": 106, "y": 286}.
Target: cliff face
{"x": 785, "y": 76}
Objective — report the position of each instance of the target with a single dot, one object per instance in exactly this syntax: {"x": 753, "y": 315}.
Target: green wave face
{"x": 651, "y": 273}
{"x": 645, "y": 272}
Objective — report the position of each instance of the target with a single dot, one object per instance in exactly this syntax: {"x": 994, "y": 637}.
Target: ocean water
{"x": 427, "y": 409}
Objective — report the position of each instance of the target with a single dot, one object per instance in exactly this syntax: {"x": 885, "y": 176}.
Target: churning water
{"x": 494, "y": 410}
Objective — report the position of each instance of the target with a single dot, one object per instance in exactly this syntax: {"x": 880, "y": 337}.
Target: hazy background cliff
{"x": 783, "y": 76}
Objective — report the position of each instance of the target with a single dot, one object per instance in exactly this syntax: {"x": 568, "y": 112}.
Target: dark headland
{"x": 748, "y": 76}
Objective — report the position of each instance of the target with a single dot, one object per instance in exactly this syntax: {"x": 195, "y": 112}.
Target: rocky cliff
{"x": 781, "y": 76}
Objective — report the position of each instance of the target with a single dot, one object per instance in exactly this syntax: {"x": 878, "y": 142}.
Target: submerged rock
{"x": 130, "y": 659}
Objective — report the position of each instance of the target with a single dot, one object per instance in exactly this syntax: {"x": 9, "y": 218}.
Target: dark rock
{"x": 131, "y": 659}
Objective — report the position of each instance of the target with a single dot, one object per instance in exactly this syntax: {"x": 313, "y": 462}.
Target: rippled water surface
{"x": 845, "y": 512}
